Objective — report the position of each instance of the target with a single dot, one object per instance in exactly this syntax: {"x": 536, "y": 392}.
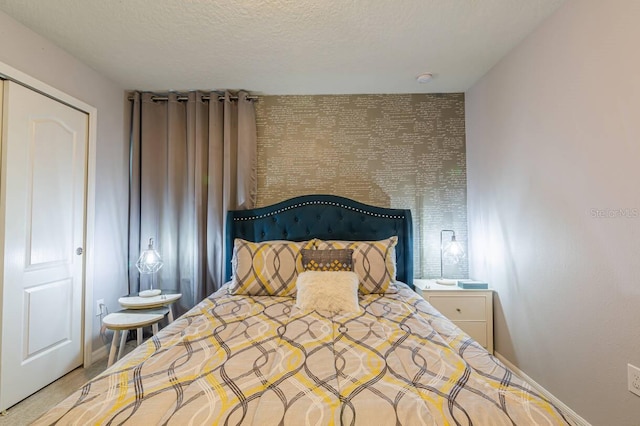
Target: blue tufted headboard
{"x": 327, "y": 217}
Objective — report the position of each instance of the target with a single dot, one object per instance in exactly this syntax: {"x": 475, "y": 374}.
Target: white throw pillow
{"x": 333, "y": 291}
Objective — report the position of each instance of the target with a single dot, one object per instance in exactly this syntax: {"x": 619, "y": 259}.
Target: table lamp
{"x": 450, "y": 253}
{"x": 149, "y": 263}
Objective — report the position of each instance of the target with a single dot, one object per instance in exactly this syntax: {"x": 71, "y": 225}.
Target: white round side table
{"x": 162, "y": 300}
{"x": 129, "y": 319}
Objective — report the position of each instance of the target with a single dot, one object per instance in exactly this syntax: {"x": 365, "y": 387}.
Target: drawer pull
{"x": 458, "y": 309}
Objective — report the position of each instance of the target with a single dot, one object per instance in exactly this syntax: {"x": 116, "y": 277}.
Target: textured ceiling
{"x": 286, "y": 46}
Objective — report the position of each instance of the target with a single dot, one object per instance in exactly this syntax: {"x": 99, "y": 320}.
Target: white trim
{"x": 90, "y": 221}
{"x": 579, "y": 421}
{"x": 92, "y": 112}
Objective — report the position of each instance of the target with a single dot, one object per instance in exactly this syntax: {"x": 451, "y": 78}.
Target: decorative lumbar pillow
{"x": 327, "y": 260}
{"x": 268, "y": 268}
{"x": 333, "y": 291}
{"x": 373, "y": 261}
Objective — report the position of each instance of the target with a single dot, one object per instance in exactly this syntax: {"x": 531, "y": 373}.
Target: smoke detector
{"x": 424, "y": 78}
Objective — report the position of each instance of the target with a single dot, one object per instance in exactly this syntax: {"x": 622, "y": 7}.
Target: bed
{"x": 261, "y": 359}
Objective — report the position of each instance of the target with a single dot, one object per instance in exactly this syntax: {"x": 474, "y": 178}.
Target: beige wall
{"x": 26, "y": 51}
{"x": 553, "y": 145}
{"x": 401, "y": 151}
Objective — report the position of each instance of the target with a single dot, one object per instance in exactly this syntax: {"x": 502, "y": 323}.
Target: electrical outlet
{"x": 99, "y": 304}
{"x": 633, "y": 379}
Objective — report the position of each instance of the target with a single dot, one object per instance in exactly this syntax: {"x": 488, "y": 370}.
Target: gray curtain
{"x": 190, "y": 161}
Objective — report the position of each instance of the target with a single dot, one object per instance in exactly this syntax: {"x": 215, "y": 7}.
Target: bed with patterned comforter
{"x": 260, "y": 360}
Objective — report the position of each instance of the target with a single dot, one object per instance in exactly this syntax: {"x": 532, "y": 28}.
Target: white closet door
{"x": 44, "y": 146}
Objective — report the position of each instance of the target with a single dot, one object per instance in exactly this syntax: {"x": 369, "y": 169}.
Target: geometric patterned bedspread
{"x": 260, "y": 361}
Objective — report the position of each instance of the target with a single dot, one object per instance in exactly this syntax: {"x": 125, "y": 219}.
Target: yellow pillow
{"x": 268, "y": 268}
{"x": 373, "y": 261}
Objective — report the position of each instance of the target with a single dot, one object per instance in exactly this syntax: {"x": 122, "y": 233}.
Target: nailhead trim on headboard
{"x": 326, "y": 217}
{"x": 328, "y": 203}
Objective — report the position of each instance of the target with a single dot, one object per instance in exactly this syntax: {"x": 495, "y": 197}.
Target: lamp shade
{"x": 451, "y": 253}
{"x": 150, "y": 260}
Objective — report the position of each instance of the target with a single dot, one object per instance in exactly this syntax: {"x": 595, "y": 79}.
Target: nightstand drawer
{"x": 477, "y": 330}
{"x": 456, "y": 308}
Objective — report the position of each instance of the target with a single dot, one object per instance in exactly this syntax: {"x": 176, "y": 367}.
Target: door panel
{"x": 51, "y": 188}
{"x": 47, "y": 309}
{"x": 44, "y": 145}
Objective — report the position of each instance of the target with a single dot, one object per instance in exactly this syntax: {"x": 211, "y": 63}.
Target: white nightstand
{"x": 471, "y": 310}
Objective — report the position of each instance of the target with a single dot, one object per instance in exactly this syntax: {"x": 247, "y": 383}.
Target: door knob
{"x": 79, "y": 251}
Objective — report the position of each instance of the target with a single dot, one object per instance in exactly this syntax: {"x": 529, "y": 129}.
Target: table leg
{"x": 123, "y": 340}
{"x": 154, "y": 327}
{"x": 139, "y": 336}
{"x": 112, "y": 351}
{"x": 170, "y": 316}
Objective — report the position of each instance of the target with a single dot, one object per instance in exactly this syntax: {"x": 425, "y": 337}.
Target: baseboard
{"x": 579, "y": 421}
{"x": 99, "y": 354}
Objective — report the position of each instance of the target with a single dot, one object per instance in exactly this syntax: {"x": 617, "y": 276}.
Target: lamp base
{"x": 444, "y": 281}
{"x": 150, "y": 293}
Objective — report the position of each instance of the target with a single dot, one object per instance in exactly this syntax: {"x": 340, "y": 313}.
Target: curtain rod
{"x": 182, "y": 98}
